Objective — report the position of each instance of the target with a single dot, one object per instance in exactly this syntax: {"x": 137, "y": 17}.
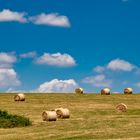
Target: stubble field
{"x": 93, "y": 117}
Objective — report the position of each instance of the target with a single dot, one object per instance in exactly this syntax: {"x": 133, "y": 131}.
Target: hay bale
{"x": 19, "y": 97}
{"x": 63, "y": 113}
{"x": 79, "y": 91}
{"x": 121, "y": 107}
{"x": 128, "y": 91}
{"x": 49, "y": 116}
{"x": 105, "y": 91}
{"x": 56, "y": 109}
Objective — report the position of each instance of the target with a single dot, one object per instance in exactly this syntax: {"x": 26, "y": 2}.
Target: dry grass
{"x": 92, "y": 117}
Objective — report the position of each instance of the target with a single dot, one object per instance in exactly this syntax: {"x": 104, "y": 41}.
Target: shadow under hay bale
{"x": 79, "y": 91}
{"x": 49, "y": 116}
{"x": 121, "y": 107}
{"x": 63, "y": 113}
{"x": 128, "y": 91}
{"x": 19, "y": 97}
{"x": 105, "y": 91}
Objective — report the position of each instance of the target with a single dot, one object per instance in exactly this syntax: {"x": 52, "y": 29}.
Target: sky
{"x": 57, "y": 46}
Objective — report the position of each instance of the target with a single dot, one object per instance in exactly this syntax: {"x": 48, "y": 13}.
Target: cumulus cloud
{"x": 12, "y": 90}
{"x": 56, "y": 85}
{"x": 53, "y": 19}
{"x": 7, "y": 15}
{"x": 28, "y": 55}
{"x": 137, "y": 84}
{"x": 125, "y": 82}
{"x": 99, "y": 69}
{"x": 56, "y": 59}
{"x": 119, "y": 64}
{"x": 7, "y": 59}
{"x": 8, "y": 77}
{"x": 97, "y": 81}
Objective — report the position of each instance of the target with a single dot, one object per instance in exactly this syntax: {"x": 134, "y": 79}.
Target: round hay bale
{"x": 19, "y": 97}
{"x": 105, "y": 91}
{"x": 128, "y": 91}
{"x": 57, "y": 109}
{"x": 121, "y": 107}
{"x": 79, "y": 91}
{"x": 49, "y": 116}
{"x": 63, "y": 113}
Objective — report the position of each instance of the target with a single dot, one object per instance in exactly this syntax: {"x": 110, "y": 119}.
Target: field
{"x": 92, "y": 117}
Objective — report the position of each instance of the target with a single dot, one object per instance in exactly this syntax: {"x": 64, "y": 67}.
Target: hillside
{"x": 92, "y": 117}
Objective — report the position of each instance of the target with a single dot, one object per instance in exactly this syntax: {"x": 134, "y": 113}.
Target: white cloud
{"x": 117, "y": 65}
{"x": 97, "y": 81}
{"x": 53, "y": 19}
{"x": 28, "y": 55}
{"x": 120, "y": 65}
{"x": 125, "y": 83}
{"x": 12, "y": 90}
{"x": 7, "y": 59}
{"x": 56, "y": 59}
{"x": 137, "y": 71}
{"x": 137, "y": 84}
{"x": 8, "y": 78}
{"x": 99, "y": 69}
{"x": 56, "y": 85}
{"x": 8, "y": 15}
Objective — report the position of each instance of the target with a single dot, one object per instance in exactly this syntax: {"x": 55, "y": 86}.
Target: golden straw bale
{"x": 79, "y": 91}
{"x": 105, "y": 91}
{"x": 49, "y": 116}
{"x": 128, "y": 91}
{"x": 19, "y": 97}
{"x": 63, "y": 113}
{"x": 121, "y": 107}
{"x": 56, "y": 109}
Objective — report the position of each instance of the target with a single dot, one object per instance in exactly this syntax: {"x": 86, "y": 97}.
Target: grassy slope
{"x": 92, "y": 117}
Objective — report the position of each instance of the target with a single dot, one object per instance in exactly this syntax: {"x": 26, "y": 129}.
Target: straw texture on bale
{"x": 105, "y": 91}
{"x": 63, "y": 113}
{"x": 19, "y": 97}
{"x": 49, "y": 116}
{"x": 56, "y": 109}
{"x": 121, "y": 107}
{"x": 79, "y": 91}
{"x": 128, "y": 91}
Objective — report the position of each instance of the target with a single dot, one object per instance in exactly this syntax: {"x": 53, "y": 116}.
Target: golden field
{"x": 93, "y": 117}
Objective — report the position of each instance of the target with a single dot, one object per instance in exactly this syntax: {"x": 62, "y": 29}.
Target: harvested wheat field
{"x": 92, "y": 117}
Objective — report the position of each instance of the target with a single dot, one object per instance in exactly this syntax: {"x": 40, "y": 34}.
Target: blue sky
{"x": 48, "y": 46}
